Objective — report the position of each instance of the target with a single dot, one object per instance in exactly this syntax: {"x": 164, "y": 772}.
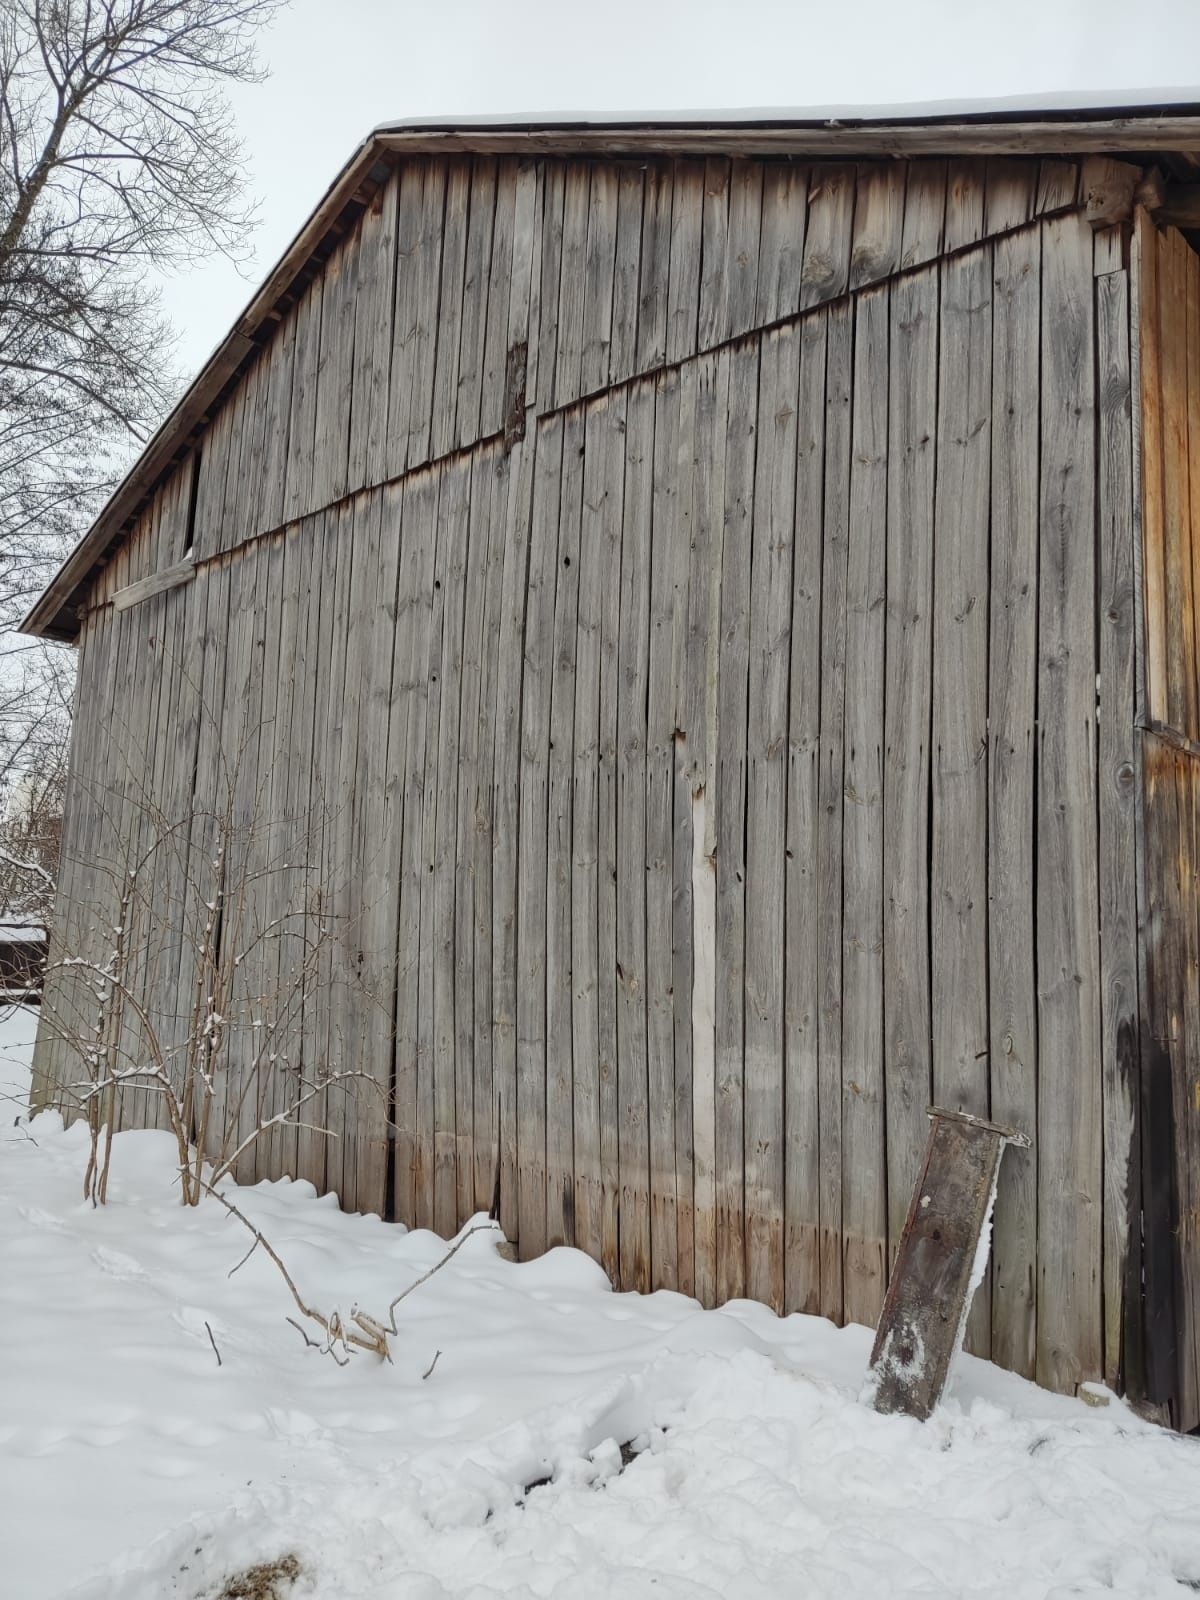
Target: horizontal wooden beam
{"x": 1098, "y": 136}
{"x": 157, "y": 583}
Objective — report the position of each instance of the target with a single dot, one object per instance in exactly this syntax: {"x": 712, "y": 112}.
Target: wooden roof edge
{"x": 55, "y": 614}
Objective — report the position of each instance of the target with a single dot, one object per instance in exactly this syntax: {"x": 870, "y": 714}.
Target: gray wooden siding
{"x": 708, "y": 773}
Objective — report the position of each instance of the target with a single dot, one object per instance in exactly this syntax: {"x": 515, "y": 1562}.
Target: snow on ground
{"x": 133, "y": 1467}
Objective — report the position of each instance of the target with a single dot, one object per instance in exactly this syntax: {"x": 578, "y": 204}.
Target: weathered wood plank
{"x": 966, "y": 189}
{"x": 444, "y": 433}
{"x": 1118, "y": 781}
{"x": 335, "y": 374}
{"x": 958, "y": 890}
{"x": 298, "y": 470}
{"x": 1069, "y": 1339}
{"x": 472, "y": 342}
{"x": 684, "y": 923}
{"x": 536, "y": 679}
{"x": 578, "y": 179}
{"x": 912, "y": 434}
{"x": 1181, "y": 684}
{"x": 1011, "y": 766}
{"x": 172, "y": 577}
{"x": 864, "y": 1186}
{"x": 803, "y": 953}
{"x": 924, "y": 213}
{"x": 1010, "y": 193}
{"x": 766, "y": 802}
{"x": 625, "y": 291}
{"x": 506, "y": 812}
{"x": 1151, "y": 454}
{"x": 654, "y": 278}
{"x": 668, "y": 615}
{"x": 633, "y": 651}
{"x": 878, "y": 223}
{"x": 683, "y": 285}
{"x": 781, "y": 241}
{"x": 713, "y": 326}
{"x": 828, "y": 238}
{"x": 831, "y": 797}
{"x": 612, "y": 500}
{"x": 597, "y": 279}
{"x": 560, "y": 1155}
{"x": 587, "y": 972}
{"x": 373, "y": 313}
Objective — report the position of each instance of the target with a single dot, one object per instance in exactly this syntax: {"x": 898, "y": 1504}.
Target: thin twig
{"x": 213, "y": 1342}
{"x": 431, "y": 1365}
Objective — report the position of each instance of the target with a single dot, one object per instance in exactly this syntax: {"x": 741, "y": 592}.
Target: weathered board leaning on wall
{"x": 652, "y": 604}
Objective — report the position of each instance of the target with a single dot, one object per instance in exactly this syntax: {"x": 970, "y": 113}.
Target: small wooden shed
{"x": 731, "y": 589}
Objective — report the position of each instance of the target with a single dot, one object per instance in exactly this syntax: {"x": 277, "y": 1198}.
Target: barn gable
{"x": 666, "y": 571}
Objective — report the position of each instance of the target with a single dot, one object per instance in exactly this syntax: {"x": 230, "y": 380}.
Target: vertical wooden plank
{"x": 444, "y": 435}
{"x": 1058, "y": 186}
{"x": 608, "y": 999}
{"x": 966, "y": 188}
{"x": 1118, "y": 758}
{"x": 622, "y": 354}
{"x": 1012, "y": 752}
{"x": 864, "y": 1183}
{"x": 572, "y": 292}
{"x": 730, "y": 795}
{"x": 585, "y": 839}
{"x": 1192, "y": 432}
{"x": 335, "y": 373}
{"x": 407, "y": 740}
{"x": 912, "y": 426}
{"x": 711, "y": 413}
{"x": 433, "y": 1191}
{"x": 472, "y": 345}
{"x": 472, "y": 1136}
{"x": 878, "y": 223}
{"x": 655, "y": 270}
{"x": 633, "y": 675}
{"x": 450, "y": 1142}
{"x": 781, "y": 241}
{"x": 1153, "y": 528}
{"x": 831, "y": 793}
{"x": 802, "y": 950}
{"x": 560, "y": 1153}
{"x": 1011, "y": 189}
{"x": 506, "y": 822}
{"x": 1173, "y": 253}
{"x": 766, "y": 803}
{"x": 742, "y": 245}
{"x": 958, "y": 892}
{"x": 298, "y": 476}
{"x": 373, "y": 313}
{"x": 683, "y": 286}
{"x": 1069, "y": 1079}
{"x": 924, "y": 213}
{"x": 552, "y": 278}
{"x": 281, "y": 358}
{"x": 714, "y": 255}
{"x": 668, "y": 602}
{"x": 684, "y": 925}
{"x": 531, "y": 881}
{"x": 487, "y": 1132}
{"x": 505, "y": 295}
{"x": 597, "y": 278}
{"x": 406, "y": 317}
{"x": 827, "y": 240}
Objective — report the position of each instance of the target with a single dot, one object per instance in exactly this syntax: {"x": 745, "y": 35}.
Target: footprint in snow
{"x": 116, "y": 1264}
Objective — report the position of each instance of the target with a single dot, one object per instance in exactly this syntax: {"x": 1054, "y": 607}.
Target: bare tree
{"x": 35, "y": 731}
{"x": 118, "y": 155}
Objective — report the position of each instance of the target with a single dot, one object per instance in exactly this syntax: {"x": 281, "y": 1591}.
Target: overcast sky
{"x": 339, "y": 67}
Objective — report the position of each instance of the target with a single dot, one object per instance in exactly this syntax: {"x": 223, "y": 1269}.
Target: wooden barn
{"x": 693, "y": 628}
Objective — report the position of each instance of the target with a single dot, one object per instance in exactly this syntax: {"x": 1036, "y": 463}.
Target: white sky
{"x": 339, "y": 67}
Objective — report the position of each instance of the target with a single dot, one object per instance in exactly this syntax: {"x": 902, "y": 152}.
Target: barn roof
{"x": 1162, "y": 126}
